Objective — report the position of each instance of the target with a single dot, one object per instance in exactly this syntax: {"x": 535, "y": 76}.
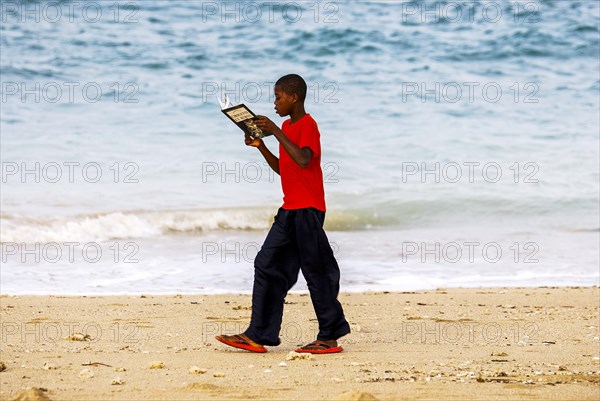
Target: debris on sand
{"x": 49, "y": 366}
{"x": 197, "y": 371}
{"x": 79, "y": 337}
{"x": 292, "y": 356}
{"x": 157, "y": 365}
{"x": 86, "y": 374}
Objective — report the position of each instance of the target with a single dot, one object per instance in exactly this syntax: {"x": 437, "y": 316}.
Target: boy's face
{"x": 284, "y": 103}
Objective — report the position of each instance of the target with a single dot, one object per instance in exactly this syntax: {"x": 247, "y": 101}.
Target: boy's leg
{"x": 322, "y": 273}
{"x": 276, "y": 268}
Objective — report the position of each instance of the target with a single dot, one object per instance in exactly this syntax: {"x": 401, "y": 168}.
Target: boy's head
{"x": 290, "y": 92}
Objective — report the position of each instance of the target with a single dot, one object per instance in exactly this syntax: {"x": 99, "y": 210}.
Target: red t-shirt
{"x": 302, "y": 187}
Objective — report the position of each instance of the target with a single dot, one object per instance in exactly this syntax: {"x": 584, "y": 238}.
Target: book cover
{"x": 243, "y": 117}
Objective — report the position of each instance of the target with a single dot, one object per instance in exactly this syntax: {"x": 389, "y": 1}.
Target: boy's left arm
{"x": 301, "y": 156}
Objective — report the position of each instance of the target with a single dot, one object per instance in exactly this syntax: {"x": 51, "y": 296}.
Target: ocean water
{"x": 461, "y": 142}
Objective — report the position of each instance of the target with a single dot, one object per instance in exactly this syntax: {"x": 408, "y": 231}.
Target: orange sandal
{"x": 319, "y": 347}
{"x": 241, "y": 341}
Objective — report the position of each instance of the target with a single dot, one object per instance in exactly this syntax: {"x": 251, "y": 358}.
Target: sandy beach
{"x": 488, "y": 344}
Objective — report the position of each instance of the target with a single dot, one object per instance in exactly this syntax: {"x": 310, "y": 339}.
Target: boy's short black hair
{"x": 293, "y": 83}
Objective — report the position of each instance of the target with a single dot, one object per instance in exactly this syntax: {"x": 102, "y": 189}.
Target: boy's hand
{"x": 265, "y": 124}
{"x": 252, "y": 142}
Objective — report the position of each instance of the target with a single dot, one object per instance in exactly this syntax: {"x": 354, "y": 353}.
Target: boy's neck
{"x": 297, "y": 114}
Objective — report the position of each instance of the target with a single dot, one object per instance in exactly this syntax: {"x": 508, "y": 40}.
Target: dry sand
{"x": 483, "y": 344}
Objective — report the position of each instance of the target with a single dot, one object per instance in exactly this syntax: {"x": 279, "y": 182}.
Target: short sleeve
{"x": 311, "y": 138}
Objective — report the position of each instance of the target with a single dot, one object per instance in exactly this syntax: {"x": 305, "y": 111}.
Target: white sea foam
{"x": 123, "y": 225}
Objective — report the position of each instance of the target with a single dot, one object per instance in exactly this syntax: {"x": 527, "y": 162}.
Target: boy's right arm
{"x": 271, "y": 159}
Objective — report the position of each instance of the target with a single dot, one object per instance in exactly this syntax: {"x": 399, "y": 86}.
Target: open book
{"x": 243, "y": 117}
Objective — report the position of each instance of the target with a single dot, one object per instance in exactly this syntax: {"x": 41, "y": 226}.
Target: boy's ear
{"x": 295, "y": 97}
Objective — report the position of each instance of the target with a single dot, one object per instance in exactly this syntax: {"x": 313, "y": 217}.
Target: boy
{"x": 296, "y": 239}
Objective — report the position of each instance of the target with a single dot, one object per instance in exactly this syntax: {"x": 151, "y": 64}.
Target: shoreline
{"x": 292, "y": 292}
{"x": 460, "y": 343}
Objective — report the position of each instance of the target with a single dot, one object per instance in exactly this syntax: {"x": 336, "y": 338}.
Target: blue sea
{"x": 460, "y": 140}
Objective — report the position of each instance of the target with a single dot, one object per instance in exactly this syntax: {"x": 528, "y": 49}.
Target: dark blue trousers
{"x": 296, "y": 241}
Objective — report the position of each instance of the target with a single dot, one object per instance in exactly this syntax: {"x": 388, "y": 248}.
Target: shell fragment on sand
{"x": 197, "y": 371}
{"x": 117, "y": 381}
{"x": 86, "y": 374}
{"x": 292, "y": 356}
{"x": 157, "y": 365}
